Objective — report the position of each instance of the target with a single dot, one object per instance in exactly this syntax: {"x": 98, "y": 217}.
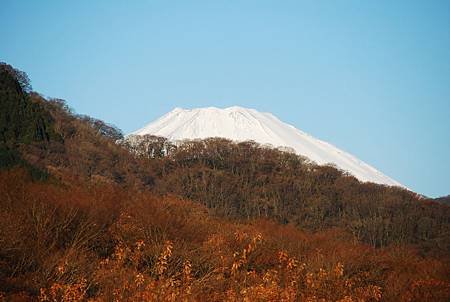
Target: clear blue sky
{"x": 371, "y": 77}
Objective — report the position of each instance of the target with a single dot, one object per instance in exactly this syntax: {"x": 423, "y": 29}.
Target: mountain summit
{"x": 243, "y": 124}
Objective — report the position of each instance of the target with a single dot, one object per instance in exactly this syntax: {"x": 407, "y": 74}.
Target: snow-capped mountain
{"x": 242, "y": 124}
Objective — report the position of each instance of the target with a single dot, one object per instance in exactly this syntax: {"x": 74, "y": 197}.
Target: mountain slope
{"x": 242, "y": 124}
{"x": 444, "y": 200}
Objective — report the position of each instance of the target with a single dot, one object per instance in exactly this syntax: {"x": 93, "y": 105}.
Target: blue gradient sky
{"x": 371, "y": 77}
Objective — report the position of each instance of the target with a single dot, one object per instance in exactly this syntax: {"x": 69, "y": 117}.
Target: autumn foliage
{"x": 99, "y": 242}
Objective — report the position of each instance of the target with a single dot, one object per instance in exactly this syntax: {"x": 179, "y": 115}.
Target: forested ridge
{"x": 245, "y": 180}
{"x": 87, "y": 214}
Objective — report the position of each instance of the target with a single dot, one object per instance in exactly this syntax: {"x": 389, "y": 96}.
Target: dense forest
{"x": 87, "y": 214}
{"x": 244, "y": 180}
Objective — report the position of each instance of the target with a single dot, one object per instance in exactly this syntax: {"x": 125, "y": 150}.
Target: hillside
{"x": 209, "y": 220}
{"x": 244, "y": 180}
{"x": 444, "y": 200}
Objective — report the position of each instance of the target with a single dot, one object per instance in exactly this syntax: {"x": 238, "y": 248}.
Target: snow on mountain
{"x": 242, "y": 124}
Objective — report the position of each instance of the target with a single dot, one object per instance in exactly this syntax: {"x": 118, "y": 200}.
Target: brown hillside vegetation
{"x": 97, "y": 241}
{"x": 244, "y": 180}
